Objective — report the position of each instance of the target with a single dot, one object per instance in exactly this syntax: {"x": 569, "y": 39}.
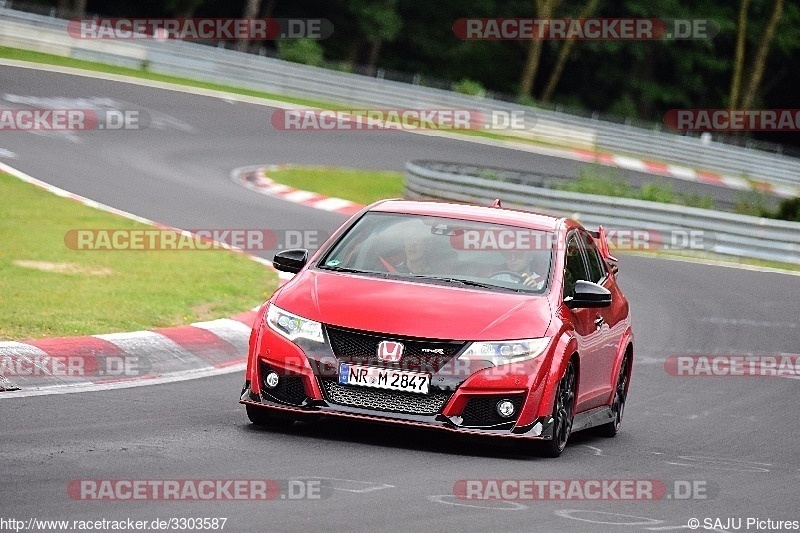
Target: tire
{"x": 618, "y": 403}
{"x": 563, "y": 414}
{"x": 262, "y": 418}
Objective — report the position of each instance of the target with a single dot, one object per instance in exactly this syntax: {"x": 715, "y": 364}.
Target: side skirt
{"x": 592, "y": 418}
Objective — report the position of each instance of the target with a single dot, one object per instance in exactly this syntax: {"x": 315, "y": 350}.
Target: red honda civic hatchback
{"x": 480, "y": 320}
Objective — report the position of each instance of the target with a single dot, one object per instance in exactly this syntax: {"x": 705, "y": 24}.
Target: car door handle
{"x": 599, "y": 321}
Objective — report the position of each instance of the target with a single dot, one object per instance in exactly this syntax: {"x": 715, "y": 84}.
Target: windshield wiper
{"x": 355, "y": 271}
{"x": 344, "y": 269}
{"x": 465, "y": 282}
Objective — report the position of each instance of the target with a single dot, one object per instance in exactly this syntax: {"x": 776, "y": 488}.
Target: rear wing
{"x": 601, "y": 240}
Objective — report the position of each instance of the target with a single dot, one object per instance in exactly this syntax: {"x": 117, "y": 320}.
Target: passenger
{"x": 521, "y": 263}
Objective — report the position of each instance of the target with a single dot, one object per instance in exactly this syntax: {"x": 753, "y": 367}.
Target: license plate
{"x": 384, "y": 378}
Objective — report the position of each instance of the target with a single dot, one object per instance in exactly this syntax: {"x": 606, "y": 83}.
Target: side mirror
{"x": 588, "y": 294}
{"x": 290, "y": 260}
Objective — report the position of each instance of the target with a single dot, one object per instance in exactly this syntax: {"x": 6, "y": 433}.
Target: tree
{"x": 760, "y": 61}
{"x": 182, "y": 8}
{"x": 544, "y": 10}
{"x": 73, "y": 8}
{"x": 738, "y": 59}
{"x": 251, "y": 9}
{"x": 563, "y": 54}
{"x": 378, "y": 22}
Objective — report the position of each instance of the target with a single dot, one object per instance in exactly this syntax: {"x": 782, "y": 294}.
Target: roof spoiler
{"x": 601, "y": 238}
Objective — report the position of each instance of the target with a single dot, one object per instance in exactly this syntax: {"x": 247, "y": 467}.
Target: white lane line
{"x": 597, "y": 451}
{"x": 173, "y": 377}
{"x": 575, "y": 514}
{"x": 349, "y": 485}
{"x": 332, "y": 204}
{"x": 736, "y": 183}
{"x": 12, "y": 353}
{"x": 630, "y": 163}
{"x": 718, "y": 263}
{"x": 232, "y": 331}
{"x": 493, "y": 505}
{"x": 682, "y": 173}
{"x": 161, "y": 353}
{"x": 298, "y": 196}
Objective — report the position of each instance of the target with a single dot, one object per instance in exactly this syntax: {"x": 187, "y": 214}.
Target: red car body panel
{"x": 413, "y": 309}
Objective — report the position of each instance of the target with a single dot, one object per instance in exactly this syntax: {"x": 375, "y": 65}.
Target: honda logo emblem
{"x": 389, "y": 351}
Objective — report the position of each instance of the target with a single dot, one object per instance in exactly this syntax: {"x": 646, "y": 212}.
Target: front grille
{"x": 290, "y": 389}
{"x": 360, "y": 347}
{"x": 384, "y": 400}
{"x": 482, "y": 411}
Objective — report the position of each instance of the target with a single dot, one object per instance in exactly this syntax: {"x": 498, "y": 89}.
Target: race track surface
{"x": 736, "y": 436}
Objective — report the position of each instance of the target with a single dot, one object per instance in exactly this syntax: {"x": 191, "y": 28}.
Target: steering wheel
{"x": 519, "y": 278}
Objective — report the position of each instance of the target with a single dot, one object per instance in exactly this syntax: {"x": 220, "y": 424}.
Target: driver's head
{"x": 418, "y": 253}
{"x": 518, "y": 260}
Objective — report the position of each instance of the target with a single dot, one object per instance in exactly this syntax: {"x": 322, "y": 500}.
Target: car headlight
{"x": 506, "y": 352}
{"x": 292, "y": 326}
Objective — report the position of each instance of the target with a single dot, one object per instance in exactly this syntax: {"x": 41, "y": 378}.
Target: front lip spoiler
{"x": 540, "y": 429}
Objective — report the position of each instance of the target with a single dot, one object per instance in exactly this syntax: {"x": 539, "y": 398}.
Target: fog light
{"x": 271, "y": 381}
{"x": 505, "y": 408}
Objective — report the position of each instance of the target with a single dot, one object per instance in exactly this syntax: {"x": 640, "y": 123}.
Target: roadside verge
{"x": 116, "y": 360}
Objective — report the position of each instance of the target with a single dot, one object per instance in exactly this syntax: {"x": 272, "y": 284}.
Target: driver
{"x": 520, "y": 262}
{"x": 419, "y": 254}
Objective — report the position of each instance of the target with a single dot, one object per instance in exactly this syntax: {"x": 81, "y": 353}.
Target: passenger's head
{"x": 518, "y": 260}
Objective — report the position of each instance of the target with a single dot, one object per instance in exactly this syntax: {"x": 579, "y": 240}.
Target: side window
{"x": 596, "y": 270}
{"x": 575, "y": 269}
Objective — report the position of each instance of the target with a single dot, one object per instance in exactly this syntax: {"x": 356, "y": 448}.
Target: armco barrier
{"x": 723, "y": 233}
{"x": 207, "y": 63}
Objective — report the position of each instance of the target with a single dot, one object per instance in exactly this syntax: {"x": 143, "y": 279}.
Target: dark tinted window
{"x": 575, "y": 269}
{"x": 596, "y": 270}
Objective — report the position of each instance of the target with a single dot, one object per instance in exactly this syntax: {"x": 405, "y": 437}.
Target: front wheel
{"x": 262, "y": 417}
{"x": 563, "y": 414}
{"x": 618, "y": 404}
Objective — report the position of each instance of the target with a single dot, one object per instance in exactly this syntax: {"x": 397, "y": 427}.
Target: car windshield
{"x": 442, "y": 250}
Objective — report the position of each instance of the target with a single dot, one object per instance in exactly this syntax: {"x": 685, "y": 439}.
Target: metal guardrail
{"x": 722, "y": 233}
{"x": 207, "y": 63}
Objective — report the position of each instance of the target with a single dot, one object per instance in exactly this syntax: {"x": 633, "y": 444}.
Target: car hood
{"x": 414, "y": 309}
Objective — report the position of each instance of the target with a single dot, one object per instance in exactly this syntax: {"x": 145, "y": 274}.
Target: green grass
{"x": 608, "y": 182}
{"x": 142, "y": 289}
{"x": 360, "y": 186}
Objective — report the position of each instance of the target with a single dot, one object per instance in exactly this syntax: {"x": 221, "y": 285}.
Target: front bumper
{"x": 540, "y": 429}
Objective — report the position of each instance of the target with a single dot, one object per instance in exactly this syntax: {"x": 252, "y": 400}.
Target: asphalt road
{"x": 735, "y": 436}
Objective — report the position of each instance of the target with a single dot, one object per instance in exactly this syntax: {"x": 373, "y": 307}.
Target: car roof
{"x": 497, "y": 215}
